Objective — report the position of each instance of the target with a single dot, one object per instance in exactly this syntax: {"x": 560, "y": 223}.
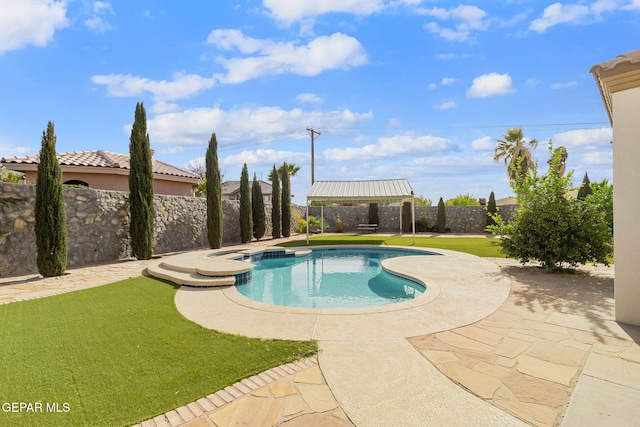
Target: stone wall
{"x": 460, "y": 219}
{"x": 98, "y": 226}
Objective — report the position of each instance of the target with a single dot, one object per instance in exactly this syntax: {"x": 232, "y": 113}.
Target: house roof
{"x": 101, "y": 159}
{"x": 620, "y": 73}
{"x": 360, "y": 191}
{"x": 232, "y": 187}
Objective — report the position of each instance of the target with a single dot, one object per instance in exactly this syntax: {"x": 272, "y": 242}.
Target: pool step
{"x": 189, "y": 278}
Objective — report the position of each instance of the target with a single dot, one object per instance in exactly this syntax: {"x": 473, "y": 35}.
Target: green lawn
{"x": 484, "y": 247}
{"x": 118, "y": 354}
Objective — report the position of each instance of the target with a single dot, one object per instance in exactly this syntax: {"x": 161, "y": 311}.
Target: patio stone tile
{"x": 551, "y": 336}
{"x": 318, "y": 397}
{"x": 632, "y": 354}
{"x": 242, "y": 388}
{"x": 523, "y": 337}
{"x": 250, "y": 411}
{"x": 196, "y": 409}
{"x": 280, "y": 371}
{"x": 216, "y": 400}
{"x": 465, "y": 354}
{"x": 185, "y": 413}
{"x": 510, "y": 347}
{"x": 429, "y": 342}
{"x": 503, "y": 393}
{"x": 457, "y": 340}
{"x": 259, "y": 381}
{"x": 479, "y": 334}
{"x": 174, "y": 419}
{"x": 614, "y": 370}
{"x": 206, "y": 404}
{"x": 535, "y": 390}
{"x": 560, "y": 374}
{"x": 250, "y": 384}
{"x": 538, "y": 415}
{"x": 341, "y": 415}
{"x": 161, "y": 421}
{"x": 148, "y": 423}
{"x": 481, "y": 384}
{"x": 233, "y": 391}
{"x": 283, "y": 387}
{"x": 266, "y": 377}
{"x": 507, "y": 362}
{"x": 557, "y": 353}
{"x": 311, "y": 375}
{"x": 293, "y": 405}
{"x": 438, "y": 357}
{"x": 225, "y": 395}
{"x": 503, "y": 319}
{"x": 570, "y": 342}
{"x": 198, "y": 422}
{"x": 315, "y": 420}
{"x": 262, "y": 392}
{"x": 273, "y": 374}
{"x": 491, "y": 369}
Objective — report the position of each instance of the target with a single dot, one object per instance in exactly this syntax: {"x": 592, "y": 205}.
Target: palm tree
{"x": 513, "y": 147}
{"x": 292, "y": 169}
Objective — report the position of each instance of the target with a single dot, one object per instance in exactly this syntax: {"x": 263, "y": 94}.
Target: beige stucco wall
{"x": 120, "y": 182}
{"x": 626, "y": 204}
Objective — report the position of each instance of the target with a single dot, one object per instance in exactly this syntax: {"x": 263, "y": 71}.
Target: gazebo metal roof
{"x": 361, "y": 191}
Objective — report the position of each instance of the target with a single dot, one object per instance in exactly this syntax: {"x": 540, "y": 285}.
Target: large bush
{"x": 50, "y": 217}
{"x": 601, "y": 197}
{"x": 462, "y": 200}
{"x": 246, "y": 220}
{"x": 550, "y": 226}
{"x": 442, "y": 216}
{"x": 257, "y": 209}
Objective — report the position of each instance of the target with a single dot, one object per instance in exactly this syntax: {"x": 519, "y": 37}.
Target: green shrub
{"x": 213, "y": 192}
{"x": 373, "y": 213}
{"x": 492, "y": 209}
{"x": 140, "y": 187}
{"x": 286, "y": 201}
{"x": 50, "y": 216}
{"x": 246, "y": 221}
{"x": 276, "y": 218}
{"x": 257, "y": 209}
{"x": 463, "y": 200}
{"x": 442, "y": 217}
{"x": 551, "y": 227}
{"x": 602, "y": 198}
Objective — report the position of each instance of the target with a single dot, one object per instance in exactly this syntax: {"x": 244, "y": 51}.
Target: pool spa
{"x": 342, "y": 277}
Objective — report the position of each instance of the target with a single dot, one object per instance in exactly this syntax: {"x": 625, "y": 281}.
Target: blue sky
{"x": 412, "y": 89}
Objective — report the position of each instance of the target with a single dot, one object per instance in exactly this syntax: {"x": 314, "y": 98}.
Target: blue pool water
{"x": 331, "y": 278}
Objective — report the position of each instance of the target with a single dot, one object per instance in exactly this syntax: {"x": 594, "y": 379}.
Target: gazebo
{"x": 371, "y": 191}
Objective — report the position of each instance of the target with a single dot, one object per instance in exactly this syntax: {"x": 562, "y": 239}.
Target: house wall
{"x": 626, "y": 204}
{"x": 120, "y": 182}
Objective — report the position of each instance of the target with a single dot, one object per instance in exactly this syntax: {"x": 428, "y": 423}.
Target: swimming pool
{"x": 331, "y": 278}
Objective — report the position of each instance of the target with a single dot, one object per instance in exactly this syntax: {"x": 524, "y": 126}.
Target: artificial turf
{"x": 119, "y": 354}
{"x": 483, "y": 247}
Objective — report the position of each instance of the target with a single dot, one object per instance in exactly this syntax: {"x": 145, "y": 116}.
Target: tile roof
{"x": 232, "y": 187}
{"x": 102, "y": 159}
{"x": 385, "y": 189}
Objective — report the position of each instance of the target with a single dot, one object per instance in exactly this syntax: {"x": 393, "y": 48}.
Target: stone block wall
{"x": 98, "y": 226}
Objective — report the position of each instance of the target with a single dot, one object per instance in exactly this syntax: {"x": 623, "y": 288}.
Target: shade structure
{"x": 367, "y": 191}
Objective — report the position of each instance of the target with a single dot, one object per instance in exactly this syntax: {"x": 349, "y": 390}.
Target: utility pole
{"x": 312, "y": 132}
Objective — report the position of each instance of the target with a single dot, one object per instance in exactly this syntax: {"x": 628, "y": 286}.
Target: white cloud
{"x": 9, "y": 150}
{"x": 597, "y": 158}
{"x": 391, "y": 146}
{"x": 261, "y": 125}
{"x": 447, "y": 105}
{"x": 492, "y": 84}
{"x": 564, "y": 85}
{"x": 99, "y": 12}
{"x": 309, "y": 98}
{"x": 287, "y": 11}
{"x": 337, "y": 51}
{"x": 30, "y": 22}
{"x": 265, "y": 157}
{"x": 586, "y": 138}
{"x": 468, "y": 19}
{"x": 482, "y": 144}
{"x": 573, "y": 14}
{"x": 448, "y": 81}
{"x": 181, "y": 86}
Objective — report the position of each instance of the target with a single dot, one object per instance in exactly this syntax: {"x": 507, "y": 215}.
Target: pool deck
{"x": 491, "y": 343}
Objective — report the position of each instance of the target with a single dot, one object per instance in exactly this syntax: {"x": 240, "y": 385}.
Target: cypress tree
{"x": 442, "y": 218}
{"x": 214, "y": 195}
{"x": 246, "y": 223}
{"x": 286, "y": 201}
{"x": 406, "y": 217}
{"x": 585, "y": 188}
{"x": 491, "y": 209}
{"x": 276, "y": 218}
{"x": 140, "y": 187}
{"x": 257, "y": 207}
{"x": 50, "y": 216}
{"x": 373, "y": 213}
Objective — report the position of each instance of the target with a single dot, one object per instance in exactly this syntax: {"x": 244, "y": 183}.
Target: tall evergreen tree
{"x": 492, "y": 209}
{"x": 140, "y": 187}
{"x": 214, "y": 195}
{"x": 585, "y": 188}
{"x": 442, "y": 217}
{"x": 257, "y": 207}
{"x": 276, "y": 218}
{"x": 246, "y": 223}
{"x": 50, "y": 221}
{"x": 286, "y": 201}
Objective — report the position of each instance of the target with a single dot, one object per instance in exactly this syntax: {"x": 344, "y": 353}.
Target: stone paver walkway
{"x": 291, "y": 395}
{"x": 527, "y": 357}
